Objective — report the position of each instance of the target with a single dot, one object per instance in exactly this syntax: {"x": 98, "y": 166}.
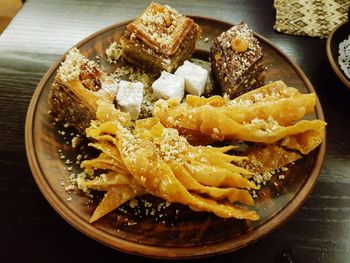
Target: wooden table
{"x": 31, "y": 231}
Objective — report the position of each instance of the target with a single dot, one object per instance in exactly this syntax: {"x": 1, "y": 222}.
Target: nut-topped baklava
{"x": 160, "y": 39}
{"x": 236, "y": 60}
{"x": 77, "y": 87}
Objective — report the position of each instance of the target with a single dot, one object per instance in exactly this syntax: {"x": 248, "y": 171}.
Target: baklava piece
{"x": 77, "y": 87}
{"x": 160, "y": 39}
{"x": 236, "y": 58}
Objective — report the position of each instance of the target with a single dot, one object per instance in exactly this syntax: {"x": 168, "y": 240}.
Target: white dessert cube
{"x": 195, "y": 77}
{"x": 109, "y": 86}
{"x": 169, "y": 86}
{"x": 129, "y": 97}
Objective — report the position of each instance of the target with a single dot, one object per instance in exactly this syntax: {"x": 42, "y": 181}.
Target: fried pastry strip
{"x": 104, "y": 162}
{"x": 273, "y": 101}
{"x": 265, "y": 115}
{"x": 115, "y": 197}
{"x": 105, "y": 182}
{"x": 208, "y": 165}
{"x": 158, "y": 179}
{"x": 109, "y": 150}
{"x": 120, "y": 188}
{"x": 216, "y": 176}
{"x": 264, "y": 158}
{"x": 231, "y": 194}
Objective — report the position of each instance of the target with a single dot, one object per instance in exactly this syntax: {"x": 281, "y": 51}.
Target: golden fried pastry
{"x": 265, "y": 115}
{"x": 157, "y": 160}
{"x": 265, "y": 158}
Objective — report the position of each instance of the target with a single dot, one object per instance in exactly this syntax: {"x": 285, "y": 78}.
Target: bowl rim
{"x": 167, "y": 252}
{"x": 334, "y": 64}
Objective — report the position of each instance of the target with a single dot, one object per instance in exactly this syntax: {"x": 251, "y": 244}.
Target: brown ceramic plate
{"x": 175, "y": 231}
{"x": 338, "y": 35}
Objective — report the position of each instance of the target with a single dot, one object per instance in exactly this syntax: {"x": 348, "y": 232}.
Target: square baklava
{"x": 78, "y": 86}
{"x": 236, "y": 57}
{"x": 160, "y": 39}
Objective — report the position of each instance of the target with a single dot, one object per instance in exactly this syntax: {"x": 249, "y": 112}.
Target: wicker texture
{"x": 315, "y": 18}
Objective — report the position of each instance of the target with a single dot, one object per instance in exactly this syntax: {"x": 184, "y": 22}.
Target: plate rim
{"x": 130, "y": 247}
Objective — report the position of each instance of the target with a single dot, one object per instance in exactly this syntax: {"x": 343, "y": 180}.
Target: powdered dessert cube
{"x": 195, "y": 77}
{"x": 169, "y": 86}
{"x": 129, "y": 97}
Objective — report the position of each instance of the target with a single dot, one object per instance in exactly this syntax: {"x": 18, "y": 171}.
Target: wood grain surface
{"x": 44, "y": 30}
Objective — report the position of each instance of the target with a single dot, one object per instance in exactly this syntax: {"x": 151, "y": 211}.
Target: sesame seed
{"x": 69, "y": 188}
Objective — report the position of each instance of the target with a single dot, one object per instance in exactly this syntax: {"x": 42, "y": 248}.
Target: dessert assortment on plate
{"x": 158, "y": 129}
